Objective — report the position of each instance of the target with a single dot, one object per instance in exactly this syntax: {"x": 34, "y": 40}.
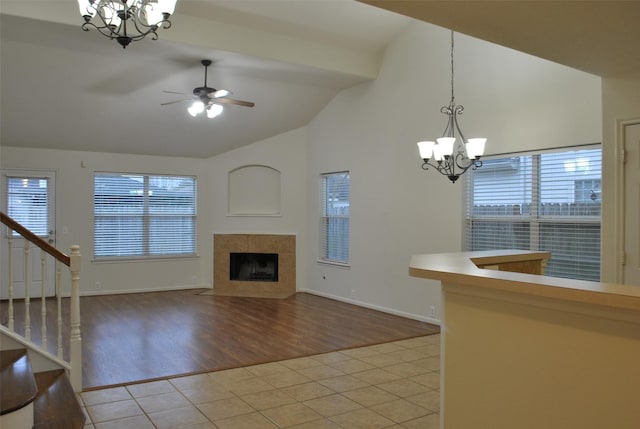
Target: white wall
{"x": 74, "y": 210}
{"x": 287, "y": 154}
{"x": 518, "y": 101}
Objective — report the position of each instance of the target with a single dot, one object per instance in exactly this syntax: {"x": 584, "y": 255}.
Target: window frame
{"x": 535, "y": 220}
{"x": 325, "y": 218}
{"x": 147, "y": 219}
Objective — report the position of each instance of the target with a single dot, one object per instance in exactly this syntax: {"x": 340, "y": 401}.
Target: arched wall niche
{"x": 254, "y": 190}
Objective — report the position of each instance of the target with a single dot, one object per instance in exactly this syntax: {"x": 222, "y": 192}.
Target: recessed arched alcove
{"x": 254, "y": 190}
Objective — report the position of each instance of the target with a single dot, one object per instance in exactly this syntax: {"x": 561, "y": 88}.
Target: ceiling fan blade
{"x": 173, "y": 92}
{"x": 173, "y": 102}
{"x": 237, "y": 102}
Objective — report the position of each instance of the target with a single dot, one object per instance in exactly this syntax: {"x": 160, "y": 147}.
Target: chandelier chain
{"x": 452, "y": 96}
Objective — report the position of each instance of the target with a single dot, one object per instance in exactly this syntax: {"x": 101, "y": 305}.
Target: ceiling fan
{"x": 207, "y": 98}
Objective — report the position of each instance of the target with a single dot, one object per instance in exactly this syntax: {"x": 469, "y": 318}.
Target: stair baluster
{"x": 10, "y": 269}
{"x": 59, "y": 299}
{"x": 27, "y": 297}
{"x": 43, "y": 306}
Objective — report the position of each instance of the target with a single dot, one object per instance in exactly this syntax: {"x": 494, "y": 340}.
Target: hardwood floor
{"x": 146, "y": 336}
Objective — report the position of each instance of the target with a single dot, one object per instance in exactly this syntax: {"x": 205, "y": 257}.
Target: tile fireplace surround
{"x": 283, "y": 245}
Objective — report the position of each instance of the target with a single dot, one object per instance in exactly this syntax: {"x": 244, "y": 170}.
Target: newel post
{"x": 75, "y": 357}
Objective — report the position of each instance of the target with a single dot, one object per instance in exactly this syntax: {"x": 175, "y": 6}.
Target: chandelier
{"x": 450, "y": 157}
{"x": 126, "y": 20}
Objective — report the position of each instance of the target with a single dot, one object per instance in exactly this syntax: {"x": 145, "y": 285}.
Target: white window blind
{"x": 28, "y": 203}
{"x": 549, "y": 202}
{"x": 334, "y": 218}
{"x": 144, "y": 215}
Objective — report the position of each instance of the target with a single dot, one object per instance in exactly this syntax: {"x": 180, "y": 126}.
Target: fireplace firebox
{"x": 253, "y": 267}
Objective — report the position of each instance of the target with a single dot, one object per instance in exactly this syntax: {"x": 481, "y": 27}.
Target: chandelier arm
{"x": 151, "y": 30}
{"x": 438, "y": 166}
{"x": 468, "y": 163}
{"x": 143, "y": 34}
{"x": 139, "y": 25}
{"x": 109, "y": 30}
{"x": 462, "y": 162}
{"x": 464, "y": 170}
{"x": 105, "y": 30}
{"x": 458, "y": 111}
{"x": 447, "y": 167}
{"x": 143, "y": 29}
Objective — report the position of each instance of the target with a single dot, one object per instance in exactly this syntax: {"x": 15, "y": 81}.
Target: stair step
{"x": 56, "y": 405}
{"x": 15, "y": 371}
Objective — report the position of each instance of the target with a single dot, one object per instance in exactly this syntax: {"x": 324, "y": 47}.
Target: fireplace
{"x": 259, "y": 267}
{"x": 254, "y": 265}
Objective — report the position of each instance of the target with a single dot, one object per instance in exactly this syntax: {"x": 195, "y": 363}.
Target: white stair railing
{"x": 72, "y": 261}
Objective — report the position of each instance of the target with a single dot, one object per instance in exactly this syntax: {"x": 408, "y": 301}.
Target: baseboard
{"x": 124, "y": 291}
{"x": 425, "y": 319}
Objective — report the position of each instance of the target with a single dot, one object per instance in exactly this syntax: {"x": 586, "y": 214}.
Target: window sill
{"x": 128, "y": 259}
{"x": 343, "y": 265}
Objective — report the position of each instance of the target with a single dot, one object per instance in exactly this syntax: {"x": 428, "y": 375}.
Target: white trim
{"x": 127, "y": 291}
{"x": 374, "y": 307}
{"x": 618, "y": 193}
{"x": 133, "y": 259}
{"x": 337, "y": 264}
{"x": 254, "y": 215}
{"x": 42, "y": 360}
{"x": 254, "y": 233}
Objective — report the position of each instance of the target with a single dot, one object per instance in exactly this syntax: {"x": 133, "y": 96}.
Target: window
{"x": 548, "y": 202}
{"x": 28, "y": 203}
{"x": 334, "y": 218}
{"x": 144, "y": 215}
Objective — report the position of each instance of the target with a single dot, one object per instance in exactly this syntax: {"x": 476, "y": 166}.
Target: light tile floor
{"x": 390, "y": 385}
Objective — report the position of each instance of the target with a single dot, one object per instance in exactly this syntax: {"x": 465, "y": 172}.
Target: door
{"x": 28, "y": 197}
{"x": 631, "y": 270}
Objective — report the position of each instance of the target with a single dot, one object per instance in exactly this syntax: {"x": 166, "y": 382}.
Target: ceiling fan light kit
{"x": 126, "y": 21}
{"x": 206, "y": 98}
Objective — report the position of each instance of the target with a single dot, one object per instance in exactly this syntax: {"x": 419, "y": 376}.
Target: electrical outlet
{"x": 194, "y": 279}
{"x": 432, "y": 311}
{"x": 98, "y": 285}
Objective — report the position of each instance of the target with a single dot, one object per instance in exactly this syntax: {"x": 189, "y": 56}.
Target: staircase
{"x": 40, "y": 348}
{"x": 37, "y": 400}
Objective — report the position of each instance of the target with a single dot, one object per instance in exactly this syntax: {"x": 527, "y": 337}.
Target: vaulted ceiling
{"x": 68, "y": 89}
